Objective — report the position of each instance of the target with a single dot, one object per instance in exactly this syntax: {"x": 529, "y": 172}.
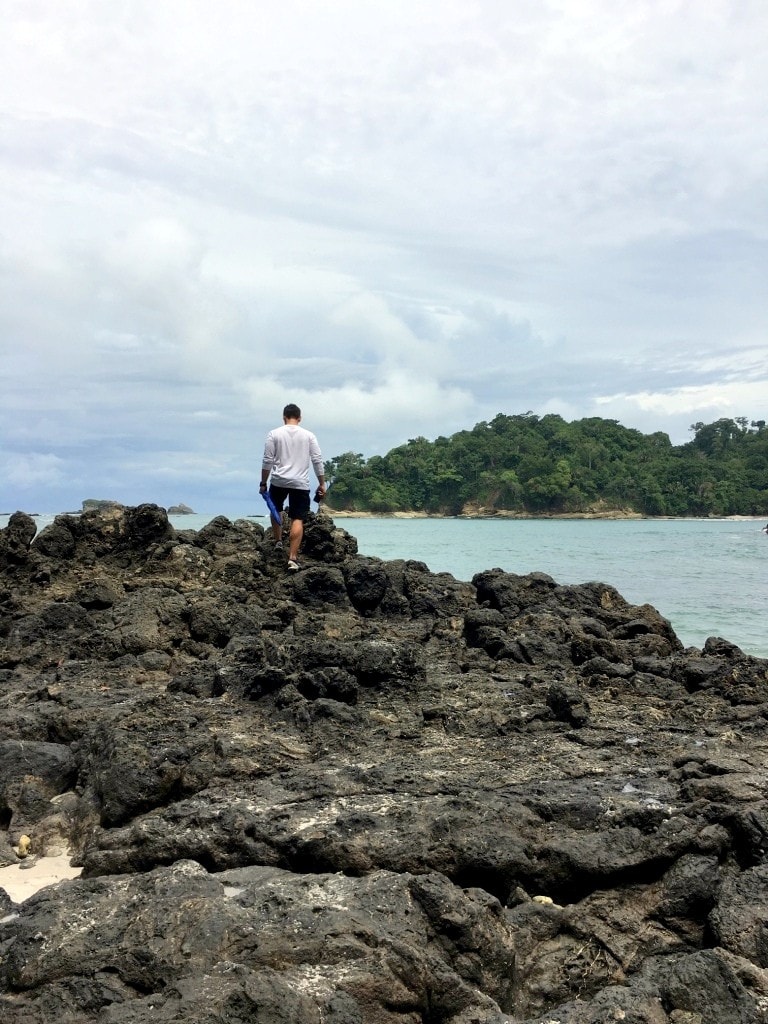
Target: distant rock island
{"x": 99, "y": 504}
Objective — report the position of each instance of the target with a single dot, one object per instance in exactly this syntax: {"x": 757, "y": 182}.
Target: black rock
{"x": 366, "y": 792}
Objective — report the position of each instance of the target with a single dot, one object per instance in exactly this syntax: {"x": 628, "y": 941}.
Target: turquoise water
{"x": 709, "y": 577}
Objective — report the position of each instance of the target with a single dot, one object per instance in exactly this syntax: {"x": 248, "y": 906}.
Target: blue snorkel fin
{"x": 274, "y": 515}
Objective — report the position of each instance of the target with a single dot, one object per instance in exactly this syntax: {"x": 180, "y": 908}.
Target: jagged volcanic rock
{"x": 366, "y": 793}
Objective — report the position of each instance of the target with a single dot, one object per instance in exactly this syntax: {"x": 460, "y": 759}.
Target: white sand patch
{"x": 21, "y": 882}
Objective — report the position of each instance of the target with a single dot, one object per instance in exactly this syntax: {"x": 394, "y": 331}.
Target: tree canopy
{"x": 543, "y": 465}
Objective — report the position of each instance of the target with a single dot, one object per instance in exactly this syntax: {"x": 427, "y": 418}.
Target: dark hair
{"x": 292, "y": 412}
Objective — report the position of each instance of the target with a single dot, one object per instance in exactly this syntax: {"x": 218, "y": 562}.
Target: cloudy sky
{"x": 405, "y": 215}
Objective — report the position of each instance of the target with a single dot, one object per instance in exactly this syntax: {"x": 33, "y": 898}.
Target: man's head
{"x": 291, "y": 412}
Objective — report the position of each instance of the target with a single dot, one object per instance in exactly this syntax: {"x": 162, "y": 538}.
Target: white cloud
{"x": 710, "y": 401}
{"x": 674, "y": 410}
{"x": 36, "y": 470}
{"x": 407, "y": 217}
{"x": 158, "y": 250}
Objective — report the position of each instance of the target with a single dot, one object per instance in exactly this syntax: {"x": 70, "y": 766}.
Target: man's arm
{"x": 316, "y": 457}
{"x": 267, "y": 461}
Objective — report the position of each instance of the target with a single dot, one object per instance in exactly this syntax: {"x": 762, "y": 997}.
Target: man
{"x": 288, "y": 452}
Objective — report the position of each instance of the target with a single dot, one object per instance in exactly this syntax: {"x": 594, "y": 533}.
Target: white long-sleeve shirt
{"x": 288, "y": 452}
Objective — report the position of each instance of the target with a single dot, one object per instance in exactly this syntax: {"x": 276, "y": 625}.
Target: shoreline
{"x": 506, "y": 515}
{"x": 500, "y": 515}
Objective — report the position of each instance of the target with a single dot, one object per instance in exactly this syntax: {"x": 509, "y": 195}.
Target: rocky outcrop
{"x": 99, "y": 504}
{"x": 366, "y": 792}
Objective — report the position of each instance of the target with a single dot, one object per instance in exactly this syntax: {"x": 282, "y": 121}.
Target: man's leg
{"x": 295, "y": 538}
{"x": 298, "y": 509}
{"x": 278, "y": 497}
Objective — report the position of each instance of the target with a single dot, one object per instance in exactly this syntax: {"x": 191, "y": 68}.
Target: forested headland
{"x": 544, "y": 465}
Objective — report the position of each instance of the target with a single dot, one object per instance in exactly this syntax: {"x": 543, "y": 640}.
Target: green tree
{"x": 544, "y": 465}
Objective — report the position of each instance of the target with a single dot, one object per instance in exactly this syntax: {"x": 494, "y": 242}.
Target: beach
{"x": 24, "y": 879}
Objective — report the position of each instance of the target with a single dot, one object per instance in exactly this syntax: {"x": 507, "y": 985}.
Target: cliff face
{"x": 366, "y": 792}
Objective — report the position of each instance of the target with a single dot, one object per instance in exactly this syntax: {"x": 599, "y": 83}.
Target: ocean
{"x": 709, "y": 577}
